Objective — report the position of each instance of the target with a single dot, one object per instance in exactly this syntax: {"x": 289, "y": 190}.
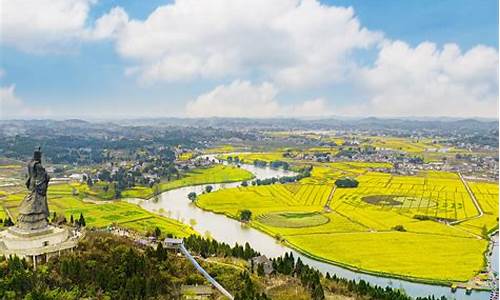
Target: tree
{"x": 156, "y": 193}
{"x": 346, "y": 183}
{"x": 244, "y": 184}
{"x": 209, "y": 188}
{"x": 260, "y": 269}
{"x": 8, "y": 222}
{"x": 81, "y": 220}
{"x": 157, "y": 232}
{"x": 192, "y": 196}
{"x": 161, "y": 253}
{"x": 399, "y": 228}
{"x": 245, "y": 215}
{"x": 71, "y": 219}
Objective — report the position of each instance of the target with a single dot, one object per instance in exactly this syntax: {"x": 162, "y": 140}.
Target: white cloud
{"x": 8, "y": 98}
{"x": 292, "y": 42}
{"x": 427, "y": 81}
{"x": 11, "y": 106}
{"x": 244, "y": 99}
{"x": 108, "y": 25}
{"x": 43, "y": 25}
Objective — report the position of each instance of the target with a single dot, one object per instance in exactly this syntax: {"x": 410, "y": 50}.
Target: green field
{"x": 362, "y": 224}
{"x": 250, "y": 157}
{"x": 215, "y": 174}
{"x": 63, "y": 202}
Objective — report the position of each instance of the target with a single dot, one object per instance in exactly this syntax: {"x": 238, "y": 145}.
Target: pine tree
{"x": 161, "y": 253}
{"x": 260, "y": 269}
{"x": 81, "y": 220}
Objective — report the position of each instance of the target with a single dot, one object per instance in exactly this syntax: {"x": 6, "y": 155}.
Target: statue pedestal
{"x": 36, "y": 245}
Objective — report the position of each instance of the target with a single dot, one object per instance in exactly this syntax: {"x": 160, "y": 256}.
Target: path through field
{"x": 474, "y": 200}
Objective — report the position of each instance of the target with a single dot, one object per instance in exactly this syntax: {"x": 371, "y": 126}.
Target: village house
{"x": 264, "y": 261}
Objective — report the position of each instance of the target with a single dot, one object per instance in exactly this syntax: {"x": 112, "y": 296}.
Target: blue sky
{"x": 78, "y": 74}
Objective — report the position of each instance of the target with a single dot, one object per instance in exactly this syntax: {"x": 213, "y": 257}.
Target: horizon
{"x": 333, "y": 117}
{"x": 299, "y": 59}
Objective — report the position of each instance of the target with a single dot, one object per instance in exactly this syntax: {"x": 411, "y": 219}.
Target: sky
{"x": 234, "y": 58}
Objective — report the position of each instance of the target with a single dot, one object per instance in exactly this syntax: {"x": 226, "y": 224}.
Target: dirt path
{"x": 474, "y": 200}
{"x": 330, "y": 197}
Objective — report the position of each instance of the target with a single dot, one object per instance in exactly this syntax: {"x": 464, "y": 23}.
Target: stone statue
{"x": 33, "y": 210}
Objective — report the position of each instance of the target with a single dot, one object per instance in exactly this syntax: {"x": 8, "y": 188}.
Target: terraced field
{"x": 388, "y": 224}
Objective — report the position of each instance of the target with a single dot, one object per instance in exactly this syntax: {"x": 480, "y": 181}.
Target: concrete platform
{"x": 50, "y": 240}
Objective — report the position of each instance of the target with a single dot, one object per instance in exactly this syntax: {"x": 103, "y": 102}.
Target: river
{"x": 230, "y": 231}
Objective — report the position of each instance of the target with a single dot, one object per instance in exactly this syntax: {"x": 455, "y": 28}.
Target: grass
{"x": 63, "y": 202}
{"x": 215, "y": 174}
{"x": 360, "y": 232}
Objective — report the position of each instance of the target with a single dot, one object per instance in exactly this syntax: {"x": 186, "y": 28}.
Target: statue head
{"x": 37, "y": 155}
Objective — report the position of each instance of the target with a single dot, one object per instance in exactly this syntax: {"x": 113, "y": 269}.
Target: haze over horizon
{"x": 94, "y": 59}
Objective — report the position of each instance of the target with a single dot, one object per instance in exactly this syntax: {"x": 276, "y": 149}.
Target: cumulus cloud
{"x": 244, "y": 99}
{"x": 43, "y": 25}
{"x": 55, "y": 26}
{"x": 428, "y": 81}
{"x": 294, "y": 43}
{"x": 108, "y": 25}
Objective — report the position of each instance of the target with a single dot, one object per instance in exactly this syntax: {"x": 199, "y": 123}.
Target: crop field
{"x": 221, "y": 149}
{"x": 216, "y": 174}
{"x": 487, "y": 196}
{"x": 63, "y": 202}
{"x": 250, "y": 157}
{"x": 293, "y": 219}
{"x": 388, "y": 224}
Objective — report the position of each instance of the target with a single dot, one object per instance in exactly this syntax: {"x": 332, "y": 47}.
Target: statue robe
{"x": 34, "y": 211}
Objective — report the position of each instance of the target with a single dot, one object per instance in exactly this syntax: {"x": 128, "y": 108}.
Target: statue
{"x": 34, "y": 210}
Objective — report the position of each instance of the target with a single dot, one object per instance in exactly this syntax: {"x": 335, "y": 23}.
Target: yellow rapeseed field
{"x": 396, "y": 225}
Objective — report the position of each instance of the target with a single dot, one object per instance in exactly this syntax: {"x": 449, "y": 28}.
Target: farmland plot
{"x": 389, "y": 224}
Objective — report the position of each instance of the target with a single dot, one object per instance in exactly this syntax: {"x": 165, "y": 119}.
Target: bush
{"x": 346, "y": 183}
{"x": 245, "y": 215}
{"x": 192, "y": 196}
{"x": 399, "y": 228}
